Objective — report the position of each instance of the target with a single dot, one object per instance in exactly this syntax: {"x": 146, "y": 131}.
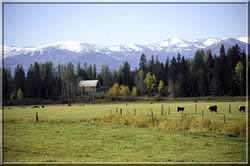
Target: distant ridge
{"x": 113, "y": 55}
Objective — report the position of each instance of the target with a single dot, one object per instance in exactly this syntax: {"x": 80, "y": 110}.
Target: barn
{"x": 88, "y": 87}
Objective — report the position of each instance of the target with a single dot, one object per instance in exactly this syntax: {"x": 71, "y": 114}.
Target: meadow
{"x": 126, "y": 132}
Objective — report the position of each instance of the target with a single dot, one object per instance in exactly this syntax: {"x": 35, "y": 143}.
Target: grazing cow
{"x": 242, "y": 109}
{"x": 180, "y": 109}
{"x": 35, "y": 106}
{"x": 42, "y": 106}
{"x": 212, "y": 108}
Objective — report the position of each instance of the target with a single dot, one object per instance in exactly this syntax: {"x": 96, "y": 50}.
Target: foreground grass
{"x": 61, "y": 141}
{"x": 98, "y": 132}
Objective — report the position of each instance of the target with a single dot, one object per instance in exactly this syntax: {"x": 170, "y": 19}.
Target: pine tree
{"x": 210, "y": 66}
{"x": 199, "y": 73}
{"x": 30, "y": 86}
{"x": 19, "y": 78}
{"x": 216, "y": 84}
{"x": 68, "y": 81}
{"x": 143, "y": 63}
{"x": 37, "y": 80}
{"x": 7, "y": 84}
{"x": 172, "y": 79}
{"x": 106, "y": 77}
{"x": 94, "y": 71}
{"x": 166, "y": 71}
{"x": 125, "y": 72}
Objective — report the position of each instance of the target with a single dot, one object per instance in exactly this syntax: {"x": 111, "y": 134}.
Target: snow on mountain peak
{"x": 243, "y": 39}
{"x": 12, "y": 50}
{"x": 119, "y": 48}
{"x": 68, "y": 45}
{"x": 112, "y": 55}
{"x": 133, "y": 47}
{"x": 115, "y": 48}
{"x": 174, "y": 42}
{"x": 210, "y": 41}
{"x": 168, "y": 45}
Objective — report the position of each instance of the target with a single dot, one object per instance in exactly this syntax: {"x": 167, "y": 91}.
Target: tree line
{"x": 203, "y": 75}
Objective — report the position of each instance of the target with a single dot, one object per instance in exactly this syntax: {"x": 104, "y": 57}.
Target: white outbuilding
{"x": 88, "y": 87}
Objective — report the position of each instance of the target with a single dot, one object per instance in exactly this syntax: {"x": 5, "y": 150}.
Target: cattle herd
{"x": 213, "y": 108}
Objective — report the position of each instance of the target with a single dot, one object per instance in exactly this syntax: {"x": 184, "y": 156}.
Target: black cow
{"x": 35, "y": 106}
{"x": 242, "y": 109}
{"x": 180, "y": 109}
{"x": 212, "y": 108}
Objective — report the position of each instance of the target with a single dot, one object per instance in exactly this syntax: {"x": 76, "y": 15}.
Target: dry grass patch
{"x": 188, "y": 123}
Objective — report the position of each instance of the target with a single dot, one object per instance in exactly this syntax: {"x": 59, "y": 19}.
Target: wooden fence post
{"x": 135, "y": 111}
{"x": 152, "y": 116}
{"x": 195, "y": 108}
{"x": 202, "y": 114}
{"x": 37, "y": 118}
{"x": 181, "y": 115}
{"x": 162, "y": 109}
{"x": 120, "y": 111}
{"x": 168, "y": 110}
{"x": 229, "y": 108}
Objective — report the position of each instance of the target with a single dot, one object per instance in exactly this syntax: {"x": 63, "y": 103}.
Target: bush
{"x": 19, "y": 94}
{"x": 114, "y": 90}
{"x": 134, "y": 92}
{"x": 124, "y": 90}
{"x": 235, "y": 129}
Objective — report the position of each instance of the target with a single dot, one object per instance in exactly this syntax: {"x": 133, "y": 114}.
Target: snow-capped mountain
{"x": 113, "y": 55}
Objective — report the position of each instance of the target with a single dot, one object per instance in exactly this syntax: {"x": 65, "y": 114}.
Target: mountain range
{"x": 112, "y": 55}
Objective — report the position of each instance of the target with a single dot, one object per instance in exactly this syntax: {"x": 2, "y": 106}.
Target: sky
{"x": 31, "y": 25}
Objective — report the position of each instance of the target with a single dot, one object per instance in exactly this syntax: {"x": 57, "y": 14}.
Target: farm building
{"x": 88, "y": 87}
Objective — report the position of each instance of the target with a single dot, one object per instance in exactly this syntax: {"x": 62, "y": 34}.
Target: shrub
{"x": 161, "y": 87}
{"x": 189, "y": 123}
{"x": 124, "y": 90}
{"x": 114, "y": 90}
{"x": 235, "y": 129}
{"x": 134, "y": 92}
{"x": 19, "y": 94}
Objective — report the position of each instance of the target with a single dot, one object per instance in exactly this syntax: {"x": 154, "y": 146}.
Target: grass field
{"x": 101, "y": 132}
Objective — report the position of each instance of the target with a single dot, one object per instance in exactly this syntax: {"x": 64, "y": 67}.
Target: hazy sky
{"x": 34, "y": 25}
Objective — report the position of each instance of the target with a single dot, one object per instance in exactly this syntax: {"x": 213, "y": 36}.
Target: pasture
{"x": 125, "y": 132}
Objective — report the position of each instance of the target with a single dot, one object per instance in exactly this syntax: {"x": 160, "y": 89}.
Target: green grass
{"x": 90, "y": 142}
{"x": 95, "y": 132}
{"x": 87, "y": 111}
